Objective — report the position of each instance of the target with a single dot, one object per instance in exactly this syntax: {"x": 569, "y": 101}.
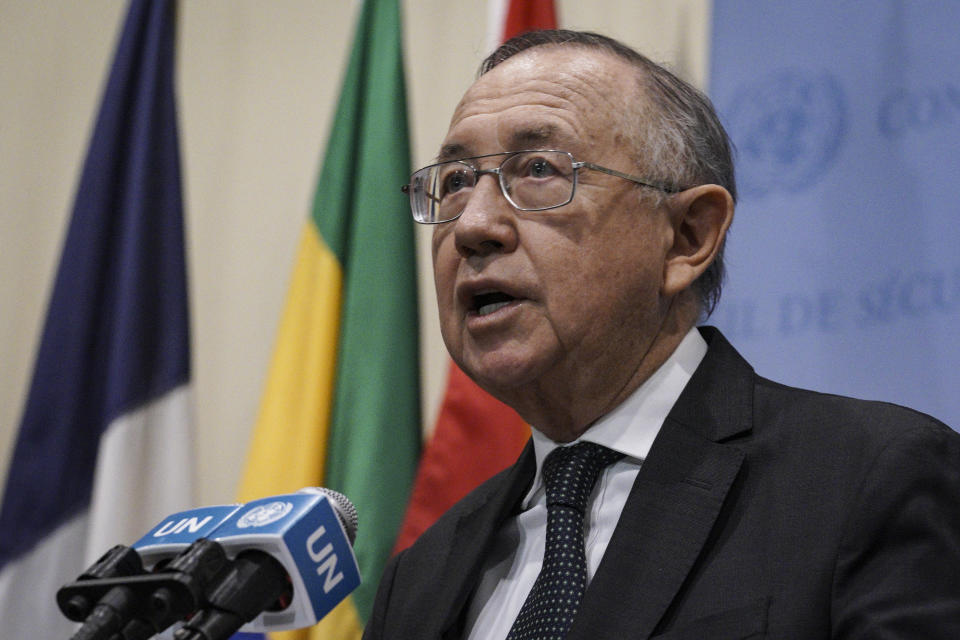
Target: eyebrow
{"x": 453, "y": 151}
{"x": 535, "y": 137}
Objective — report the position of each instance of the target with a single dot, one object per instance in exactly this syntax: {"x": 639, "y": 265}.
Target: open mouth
{"x": 486, "y": 303}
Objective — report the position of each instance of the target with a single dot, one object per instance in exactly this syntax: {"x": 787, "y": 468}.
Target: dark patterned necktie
{"x": 569, "y": 474}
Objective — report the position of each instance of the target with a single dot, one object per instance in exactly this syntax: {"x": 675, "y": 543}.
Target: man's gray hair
{"x": 680, "y": 142}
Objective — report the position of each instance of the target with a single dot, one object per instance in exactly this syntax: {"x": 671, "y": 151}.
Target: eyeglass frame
{"x": 575, "y": 164}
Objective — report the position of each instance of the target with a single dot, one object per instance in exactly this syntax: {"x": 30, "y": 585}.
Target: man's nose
{"x": 488, "y": 221}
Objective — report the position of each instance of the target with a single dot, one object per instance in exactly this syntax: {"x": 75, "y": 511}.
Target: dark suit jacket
{"x": 762, "y": 511}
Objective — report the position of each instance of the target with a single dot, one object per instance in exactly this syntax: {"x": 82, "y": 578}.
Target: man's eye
{"x": 455, "y": 181}
{"x": 540, "y": 168}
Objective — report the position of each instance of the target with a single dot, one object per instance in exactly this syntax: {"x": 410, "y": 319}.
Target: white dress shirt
{"x": 514, "y": 562}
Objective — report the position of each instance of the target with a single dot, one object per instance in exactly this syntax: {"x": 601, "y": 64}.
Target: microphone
{"x": 293, "y": 562}
{"x": 276, "y": 563}
{"x": 117, "y": 562}
{"x": 178, "y": 531}
{"x": 107, "y": 598}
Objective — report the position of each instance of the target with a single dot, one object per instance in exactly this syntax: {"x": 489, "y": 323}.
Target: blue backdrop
{"x": 844, "y": 257}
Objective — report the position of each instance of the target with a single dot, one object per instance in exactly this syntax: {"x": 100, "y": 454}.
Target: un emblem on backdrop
{"x": 788, "y": 128}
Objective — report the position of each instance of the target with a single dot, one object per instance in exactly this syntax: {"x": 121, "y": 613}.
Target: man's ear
{"x": 700, "y": 217}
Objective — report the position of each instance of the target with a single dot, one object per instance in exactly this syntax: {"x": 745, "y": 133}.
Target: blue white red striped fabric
{"x": 104, "y": 447}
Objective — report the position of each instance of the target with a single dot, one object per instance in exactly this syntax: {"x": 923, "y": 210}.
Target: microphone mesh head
{"x": 346, "y": 512}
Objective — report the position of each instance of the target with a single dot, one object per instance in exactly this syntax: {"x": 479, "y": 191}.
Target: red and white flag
{"x": 476, "y": 435}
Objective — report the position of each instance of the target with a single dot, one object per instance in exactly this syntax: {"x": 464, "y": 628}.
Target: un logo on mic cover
{"x": 788, "y": 128}
{"x": 264, "y": 514}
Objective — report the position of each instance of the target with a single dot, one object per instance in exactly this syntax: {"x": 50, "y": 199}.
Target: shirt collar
{"x": 634, "y": 424}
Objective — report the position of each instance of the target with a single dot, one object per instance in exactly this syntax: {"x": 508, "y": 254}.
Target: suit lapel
{"x": 474, "y": 533}
{"x": 674, "y": 503}
{"x": 668, "y": 516}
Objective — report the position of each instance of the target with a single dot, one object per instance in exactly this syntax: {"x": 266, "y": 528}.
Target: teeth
{"x": 490, "y": 308}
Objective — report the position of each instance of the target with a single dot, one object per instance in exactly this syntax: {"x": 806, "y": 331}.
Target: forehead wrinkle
{"x": 533, "y": 92}
{"x": 534, "y": 136}
{"x": 596, "y": 76}
{"x": 585, "y": 96}
{"x": 596, "y": 87}
{"x": 514, "y": 133}
{"x": 513, "y": 127}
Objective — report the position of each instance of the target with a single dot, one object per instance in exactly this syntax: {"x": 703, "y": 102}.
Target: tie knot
{"x": 569, "y": 473}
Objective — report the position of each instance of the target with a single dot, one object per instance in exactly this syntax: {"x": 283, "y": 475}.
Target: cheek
{"x": 444, "y": 277}
{"x": 441, "y": 248}
{"x": 608, "y": 288}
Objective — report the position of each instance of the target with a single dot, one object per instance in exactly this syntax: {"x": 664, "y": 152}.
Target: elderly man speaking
{"x": 580, "y": 203}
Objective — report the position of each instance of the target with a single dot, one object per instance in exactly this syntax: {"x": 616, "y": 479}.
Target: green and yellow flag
{"x": 341, "y": 406}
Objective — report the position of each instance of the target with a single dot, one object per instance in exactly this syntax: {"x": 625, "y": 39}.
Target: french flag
{"x": 104, "y": 448}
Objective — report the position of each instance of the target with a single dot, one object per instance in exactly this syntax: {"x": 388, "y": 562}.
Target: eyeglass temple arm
{"x": 626, "y": 176}
{"x": 406, "y": 189}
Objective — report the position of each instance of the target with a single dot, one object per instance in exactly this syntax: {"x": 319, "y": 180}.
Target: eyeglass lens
{"x": 530, "y": 180}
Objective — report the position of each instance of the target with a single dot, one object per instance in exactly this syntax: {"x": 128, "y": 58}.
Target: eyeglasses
{"x": 529, "y": 180}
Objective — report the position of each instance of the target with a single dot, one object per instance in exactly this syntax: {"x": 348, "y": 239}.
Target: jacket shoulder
{"x": 840, "y": 418}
